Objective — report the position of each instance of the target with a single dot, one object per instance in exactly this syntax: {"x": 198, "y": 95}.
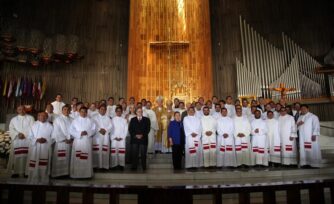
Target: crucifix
{"x": 169, "y": 45}
{"x": 283, "y": 90}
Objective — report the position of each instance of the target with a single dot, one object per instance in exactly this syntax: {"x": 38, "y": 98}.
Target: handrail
{"x": 166, "y": 194}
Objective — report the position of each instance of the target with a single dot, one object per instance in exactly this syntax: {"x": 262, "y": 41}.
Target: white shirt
{"x": 57, "y": 107}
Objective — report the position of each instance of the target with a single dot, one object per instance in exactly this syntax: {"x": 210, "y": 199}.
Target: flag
{"x": 30, "y": 87}
{"x": 5, "y": 88}
{"x": 10, "y": 88}
{"x": 34, "y": 88}
{"x": 25, "y": 87}
{"x": 18, "y": 86}
{"x": 39, "y": 89}
{"x": 21, "y": 87}
{"x": 43, "y": 89}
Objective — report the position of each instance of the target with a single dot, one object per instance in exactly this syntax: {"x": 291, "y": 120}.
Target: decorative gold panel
{"x": 169, "y": 49}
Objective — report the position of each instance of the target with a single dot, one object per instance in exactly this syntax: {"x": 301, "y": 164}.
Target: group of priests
{"x": 73, "y": 139}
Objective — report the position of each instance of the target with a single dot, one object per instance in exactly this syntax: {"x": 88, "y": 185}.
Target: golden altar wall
{"x": 169, "y": 49}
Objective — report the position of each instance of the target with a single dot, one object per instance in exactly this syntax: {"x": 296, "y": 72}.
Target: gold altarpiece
{"x": 169, "y": 49}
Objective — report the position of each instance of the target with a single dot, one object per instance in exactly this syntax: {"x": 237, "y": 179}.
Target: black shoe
{"x": 133, "y": 169}
{"x": 15, "y": 176}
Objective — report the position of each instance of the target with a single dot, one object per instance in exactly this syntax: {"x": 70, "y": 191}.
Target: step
{"x": 160, "y": 165}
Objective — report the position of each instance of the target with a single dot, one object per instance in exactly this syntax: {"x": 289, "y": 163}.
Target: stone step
{"x": 214, "y": 175}
{"x": 160, "y": 165}
{"x": 160, "y": 161}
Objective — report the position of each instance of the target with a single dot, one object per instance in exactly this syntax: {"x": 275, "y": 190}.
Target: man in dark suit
{"x": 139, "y": 128}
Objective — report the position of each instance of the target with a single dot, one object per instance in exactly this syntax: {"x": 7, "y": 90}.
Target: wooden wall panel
{"x": 160, "y": 70}
{"x": 102, "y": 27}
{"x": 308, "y": 23}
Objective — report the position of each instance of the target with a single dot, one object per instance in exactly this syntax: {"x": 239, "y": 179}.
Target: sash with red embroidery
{"x": 192, "y": 150}
{"x": 229, "y": 148}
{"x": 61, "y": 154}
{"x": 255, "y": 149}
{"x": 41, "y": 163}
{"x": 288, "y": 148}
{"x": 105, "y": 148}
{"x": 213, "y": 145}
{"x": 121, "y": 151}
{"x": 21, "y": 151}
{"x": 238, "y": 148}
{"x": 196, "y": 143}
{"x": 308, "y": 145}
{"x": 206, "y": 147}
{"x": 222, "y": 148}
{"x": 244, "y": 145}
{"x": 277, "y": 148}
{"x": 96, "y": 147}
{"x": 261, "y": 150}
{"x": 81, "y": 155}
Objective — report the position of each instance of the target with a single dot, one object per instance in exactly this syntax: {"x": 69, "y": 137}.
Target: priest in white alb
{"x": 193, "y": 148}
{"x": 226, "y": 156}
{"x": 111, "y": 107}
{"x": 19, "y": 129}
{"x": 82, "y": 130}
{"x": 101, "y": 139}
{"x": 209, "y": 127}
{"x": 309, "y": 132}
{"x": 63, "y": 143}
{"x": 154, "y": 126}
{"x": 242, "y": 130}
{"x": 58, "y": 104}
{"x": 274, "y": 139}
{"x": 259, "y": 131}
{"x": 119, "y": 132}
{"x": 230, "y": 107}
{"x": 288, "y": 133}
{"x": 40, "y": 151}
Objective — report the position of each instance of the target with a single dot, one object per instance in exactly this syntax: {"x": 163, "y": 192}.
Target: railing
{"x": 170, "y": 194}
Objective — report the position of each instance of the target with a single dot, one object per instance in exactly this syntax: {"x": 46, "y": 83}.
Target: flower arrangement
{"x": 5, "y": 142}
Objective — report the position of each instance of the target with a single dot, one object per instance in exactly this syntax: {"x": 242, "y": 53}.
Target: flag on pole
{"x": 10, "y": 89}
{"x": 43, "y": 89}
{"x": 5, "y": 88}
{"x": 18, "y": 86}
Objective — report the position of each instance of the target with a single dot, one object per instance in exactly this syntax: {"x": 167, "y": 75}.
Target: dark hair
{"x": 191, "y": 107}
{"x": 103, "y": 105}
{"x": 304, "y": 105}
{"x": 224, "y": 109}
{"x": 83, "y": 107}
{"x": 59, "y": 94}
{"x": 79, "y": 103}
{"x": 297, "y": 103}
{"x": 228, "y": 97}
{"x": 206, "y": 107}
{"x": 138, "y": 109}
{"x": 75, "y": 98}
{"x": 222, "y": 101}
{"x": 176, "y": 112}
{"x": 270, "y": 112}
{"x": 66, "y": 106}
{"x": 111, "y": 98}
{"x": 119, "y": 108}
